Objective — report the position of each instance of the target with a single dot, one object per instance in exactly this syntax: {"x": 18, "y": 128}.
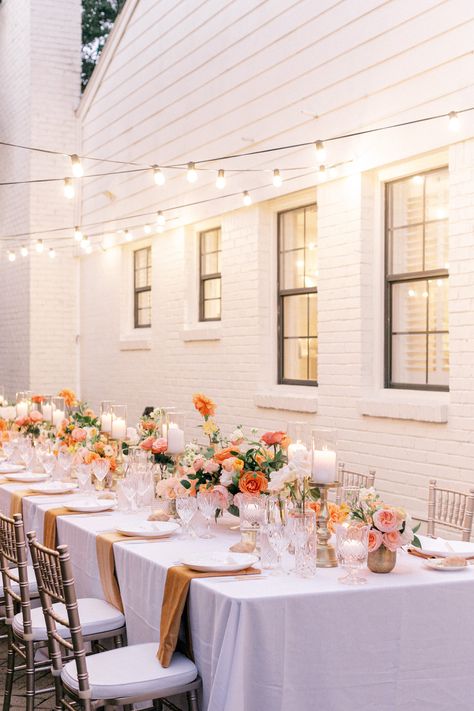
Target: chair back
{"x": 14, "y": 567}
{"x": 53, "y": 570}
{"x": 450, "y": 508}
{"x": 348, "y": 477}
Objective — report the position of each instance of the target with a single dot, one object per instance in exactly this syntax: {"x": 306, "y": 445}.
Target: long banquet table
{"x": 403, "y": 641}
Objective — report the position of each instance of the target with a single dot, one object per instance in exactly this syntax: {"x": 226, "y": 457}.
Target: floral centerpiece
{"x": 151, "y": 440}
{"x": 32, "y": 425}
{"x": 390, "y": 529}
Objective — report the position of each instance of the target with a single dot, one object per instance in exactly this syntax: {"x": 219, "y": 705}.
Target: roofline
{"x": 106, "y": 56}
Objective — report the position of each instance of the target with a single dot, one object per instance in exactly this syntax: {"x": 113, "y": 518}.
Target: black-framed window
{"x": 297, "y": 296}
{"x": 416, "y": 278}
{"x": 210, "y": 301}
{"x": 142, "y": 287}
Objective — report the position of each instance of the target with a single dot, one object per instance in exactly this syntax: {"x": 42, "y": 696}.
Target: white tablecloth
{"x": 403, "y": 641}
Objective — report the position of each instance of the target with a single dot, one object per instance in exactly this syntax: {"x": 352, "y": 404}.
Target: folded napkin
{"x": 178, "y": 580}
{"x": 16, "y": 502}
{"x": 50, "y": 526}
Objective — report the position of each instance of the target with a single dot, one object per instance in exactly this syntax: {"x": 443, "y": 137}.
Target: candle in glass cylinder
{"x": 324, "y": 466}
{"x": 119, "y": 428}
{"x": 58, "y": 417}
{"x": 297, "y": 450}
{"x": 47, "y": 412}
{"x": 11, "y": 412}
{"x": 175, "y": 437}
{"x": 106, "y": 422}
{"x": 22, "y": 408}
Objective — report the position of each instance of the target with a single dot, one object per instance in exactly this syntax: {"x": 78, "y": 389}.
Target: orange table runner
{"x": 50, "y": 524}
{"x": 16, "y": 503}
{"x": 178, "y": 580}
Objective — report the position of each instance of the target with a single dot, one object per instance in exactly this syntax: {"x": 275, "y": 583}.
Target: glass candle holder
{"x": 47, "y": 408}
{"x": 323, "y": 456}
{"x": 58, "y": 412}
{"x": 175, "y": 433}
{"x": 119, "y": 422}
{"x": 105, "y": 416}
{"x": 298, "y": 448}
{"x": 352, "y": 551}
{"x": 22, "y": 403}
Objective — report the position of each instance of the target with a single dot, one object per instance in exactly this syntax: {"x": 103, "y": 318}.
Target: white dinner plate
{"x": 7, "y": 468}
{"x": 53, "y": 487}
{"x": 27, "y": 477}
{"x": 440, "y": 564}
{"x": 220, "y": 562}
{"x": 441, "y": 548}
{"x": 83, "y": 505}
{"x": 149, "y": 529}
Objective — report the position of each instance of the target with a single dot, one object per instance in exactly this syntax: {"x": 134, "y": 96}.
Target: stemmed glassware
{"x": 208, "y": 503}
{"x": 127, "y": 492}
{"x": 302, "y": 535}
{"x": 186, "y": 507}
{"x": 352, "y": 550}
{"x": 47, "y": 458}
{"x": 27, "y": 451}
{"x": 100, "y": 469}
{"x": 10, "y": 448}
{"x": 277, "y": 534}
{"x": 84, "y": 477}
{"x": 144, "y": 486}
{"x": 65, "y": 460}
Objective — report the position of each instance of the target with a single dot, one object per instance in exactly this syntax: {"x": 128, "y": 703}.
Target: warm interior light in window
{"x": 158, "y": 175}
{"x": 191, "y": 174}
{"x": 311, "y": 245}
{"x": 24, "y": 251}
{"x": 68, "y": 188}
{"x": 411, "y": 292}
{"x": 418, "y": 180}
{"x": 320, "y": 152}
{"x": 441, "y": 213}
{"x": 39, "y": 246}
{"x": 11, "y": 256}
{"x": 78, "y": 234}
{"x": 277, "y": 179}
{"x": 220, "y": 182}
{"x": 425, "y": 294}
{"x": 247, "y": 198}
{"x": 453, "y": 121}
{"x": 77, "y": 169}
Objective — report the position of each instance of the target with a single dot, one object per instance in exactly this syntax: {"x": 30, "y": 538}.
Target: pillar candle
{"x": 58, "y": 417}
{"x": 324, "y": 466}
{"x": 21, "y": 409}
{"x": 47, "y": 412}
{"x": 106, "y": 422}
{"x": 175, "y": 440}
{"x": 119, "y": 428}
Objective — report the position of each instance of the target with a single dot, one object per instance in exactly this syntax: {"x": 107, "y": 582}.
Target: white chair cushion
{"x": 96, "y": 616}
{"x": 129, "y": 672}
{"x": 16, "y": 587}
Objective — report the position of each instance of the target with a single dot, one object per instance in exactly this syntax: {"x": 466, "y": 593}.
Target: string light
{"x": 24, "y": 251}
{"x": 277, "y": 179}
{"x": 453, "y": 121}
{"x": 128, "y": 235}
{"x": 220, "y": 182}
{"x": 160, "y": 220}
{"x": 69, "y": 191}
{"x": 88, "y": 249}
{"x": 39, "y": 246}
{"x": 147, "y": 229}
{"x": 191, "y": 174}
{"x": 51, "y": 253}
{"x": 77, "y": 169}
{"x": 11, "y": 256}
{"x": 78, "y": 234}
{"x": 322, "y": 173}
{"x": 320, "y": 152}
{"x": 246, "y": 198}
{"x": 85, "y": 243}
{"x": 158, "y": 175}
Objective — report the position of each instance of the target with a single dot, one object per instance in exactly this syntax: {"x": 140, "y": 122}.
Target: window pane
{"x": 295, "y": 358}
{"x": 409, "y": 302}
{"x": 313, "y": 314}
{"x": 144, "y": 299}
{"x": 438, "y": 359}
{"x": 406, "y": 204}
{"x": 141, "y": 278}
{"x": 313, "y": 358}
{"x": 210, "y": 264}
{"x": 141, "y": 258}
{"x": 409, "y": 359}
{"x": 210, "y": 241}
{"x": 292, "y": 229}
{"x": 436, "y": 245}
{"x": 212, "y": 288}
{"x": 292, "y": 269}
{"x": 311, "y": 227}
{"x": 144, "y": 317}
{"x": 212, "y": 309}
{"x": 311, "y": 267}
{"x": 406, "y": 250}
{"x": 295, "y": 315}
{"x": 438, "y": 304}
{"x": 436, "y": 195}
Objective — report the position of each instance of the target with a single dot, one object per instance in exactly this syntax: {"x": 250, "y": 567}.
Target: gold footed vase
{"x": 382, "y": 560}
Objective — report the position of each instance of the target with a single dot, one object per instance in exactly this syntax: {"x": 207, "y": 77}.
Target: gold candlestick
{"x": 326, "y": 554}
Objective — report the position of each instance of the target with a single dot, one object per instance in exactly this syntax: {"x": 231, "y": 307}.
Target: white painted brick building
{"x": 187, "y": 81}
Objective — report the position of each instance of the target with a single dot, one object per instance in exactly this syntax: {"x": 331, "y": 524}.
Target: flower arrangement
{"x": 70, "y": 398}
{"x": 32, "y": 425}
{"x": 390, "y": 527}
{"x": 80, "y": 429}
{"x": 150, "y": 439}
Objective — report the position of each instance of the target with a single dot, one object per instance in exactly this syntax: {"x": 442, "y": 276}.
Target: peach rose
{"x": 392, "y": 540}
{"x": 198, "y": 464}
{"x": 148, "y": 425}
{"x": 90, "y": 457}
{"x": 89, "y": 413}
{"x": 204, "y": 405}
{"x": 228, "y": 464}
{"x": 147, "y": 444}
{"x": 211, "y": 467}
{"x": 223, "y": 495}
{"x": 253, "y": 483}
{"x": 386, "y": 520}
{"x": 69, "y": 396}
{"x": 78, "y": 434}
{"x": 375, "y": 540}
{"x": 159, "y": 445}
{"x": 21, "y": 421}
{"x": 36, "y": 416}
{"x": 271, "y": 438}
{"x": 224, "y": 454}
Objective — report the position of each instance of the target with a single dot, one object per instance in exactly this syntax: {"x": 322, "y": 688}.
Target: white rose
{"x": 225, "y": 478}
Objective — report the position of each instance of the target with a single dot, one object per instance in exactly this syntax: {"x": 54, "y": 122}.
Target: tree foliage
{"x": 98, "y": 17}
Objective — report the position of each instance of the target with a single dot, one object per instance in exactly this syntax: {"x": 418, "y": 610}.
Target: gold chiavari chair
{"x": 348, "y": 478}
{"x": 449, "y": 508}
{"x": 118, "y": 677}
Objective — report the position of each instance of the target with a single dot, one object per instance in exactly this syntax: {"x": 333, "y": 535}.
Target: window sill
{"x": 406, "y": 405}
{"x": 135, "y": 343}
{"x": 288, "y": 397}
{"x": 204, "y": 332}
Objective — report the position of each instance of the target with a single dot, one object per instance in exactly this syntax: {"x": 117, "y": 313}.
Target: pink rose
{"x": 210, "y": 467}
{"x": 36, "y": 416}
{"x": 386, "y": 520}
{"x": 78, "y": 434}
{"x": 198, "y": 464}
{"x": 228, "y": 464}
{"x": 21, "y": 421}
{"x": 223, "y": 494}
{"x": 159, "y": 445}
{"x": 147, "y": 443}
{"x": 392, "y": 540}
{"x": 375, "y": 540}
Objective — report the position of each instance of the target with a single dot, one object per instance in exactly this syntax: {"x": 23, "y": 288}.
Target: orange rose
{"x": 3, "y": 425}
{"x": 253, "y": 483}
{"x": 204, "y": 405}
{"x": 224, "y": 454}
{"x": 69, "y": 396}
{"x": 90, "y": 457}
{"x": 271, "y": 438}
{"x": 38, "y": 399}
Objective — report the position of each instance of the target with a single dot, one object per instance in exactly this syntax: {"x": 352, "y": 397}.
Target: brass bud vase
{"x": 382, "y": 560}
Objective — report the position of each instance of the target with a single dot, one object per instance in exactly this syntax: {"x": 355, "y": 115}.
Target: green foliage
{"x": 98, "y": 17}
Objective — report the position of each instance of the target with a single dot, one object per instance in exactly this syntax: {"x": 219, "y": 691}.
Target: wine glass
{"x": 278, "y": 538}
{"x": 100, "y": 469}
{"x": 65, "y": 460}
{"x": 126, "y": 493}
{"x": 9, "y": 447}
{"x": 208, "y": 503}
{"x": 84, "y": 477}
{"x": 145, "y": 484}
{"x": 352, "y": 550}
{"x": 47, "y": 459}
{"x": 27, "y": 451}
{"x": 186, "y": 507}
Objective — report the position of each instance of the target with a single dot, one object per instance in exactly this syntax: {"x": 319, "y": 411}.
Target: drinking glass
{"x": 10, "y": 448}
{"x": 145, "y": 485}
{"x": 278, "y": 538}
{"x": 208, "y": 503}
{"x": 47, "y": 459}
{"x": 302, "y": 534}
{"x": 126, "y": 493}
{"x": 27, "y": 451}
{"x": 350, "y": 495}
{"x": 186, "y": 507}
{"x": 84, "y": 477}
{"x": 352, "y": 550}
{"x": 65, "y": 460}
{"x": 100, "y": 469}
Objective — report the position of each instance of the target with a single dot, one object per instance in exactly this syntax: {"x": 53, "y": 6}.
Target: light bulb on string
{"x": 277, "y": 179}
{"x": 453, "y": 121}
{"x": 78, "y": 234}
{"x": 69, "y": 191}
{"x": 147, "y": 229}
{"x": 85, "y": 242}
{"x": 51, "y": 253}
{"x": 322, "y": 173}
{"x": 158, "y": 175}
{"x": 191, "y": 174}
{"x": 77, "y": 169}
{"x": 11, "y": 256}
{"x": 88, "y": 249}
{"x": 247, "y": 198}
{"x": 320, "y": 152}
{"x": 24, "y": 251}
{"x": 220, "y": 182}
{"x": 39, "y": 246}
{"x": 128, "y": 235}
{"x": 160, "y": 219}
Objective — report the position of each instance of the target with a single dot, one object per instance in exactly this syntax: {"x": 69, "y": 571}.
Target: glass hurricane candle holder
{"x": 175, "y": 433}
{"x": 323, "y": 456}
{"x": 105, "y": 415}
{"x": 58, "y": 411}
{"x": 22, "y": 403}
{"x": 119, "y": 422}
{"x": 352, "y": 543}
{"x": 299, "y": 441}
{"x": 47, "y": 408}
